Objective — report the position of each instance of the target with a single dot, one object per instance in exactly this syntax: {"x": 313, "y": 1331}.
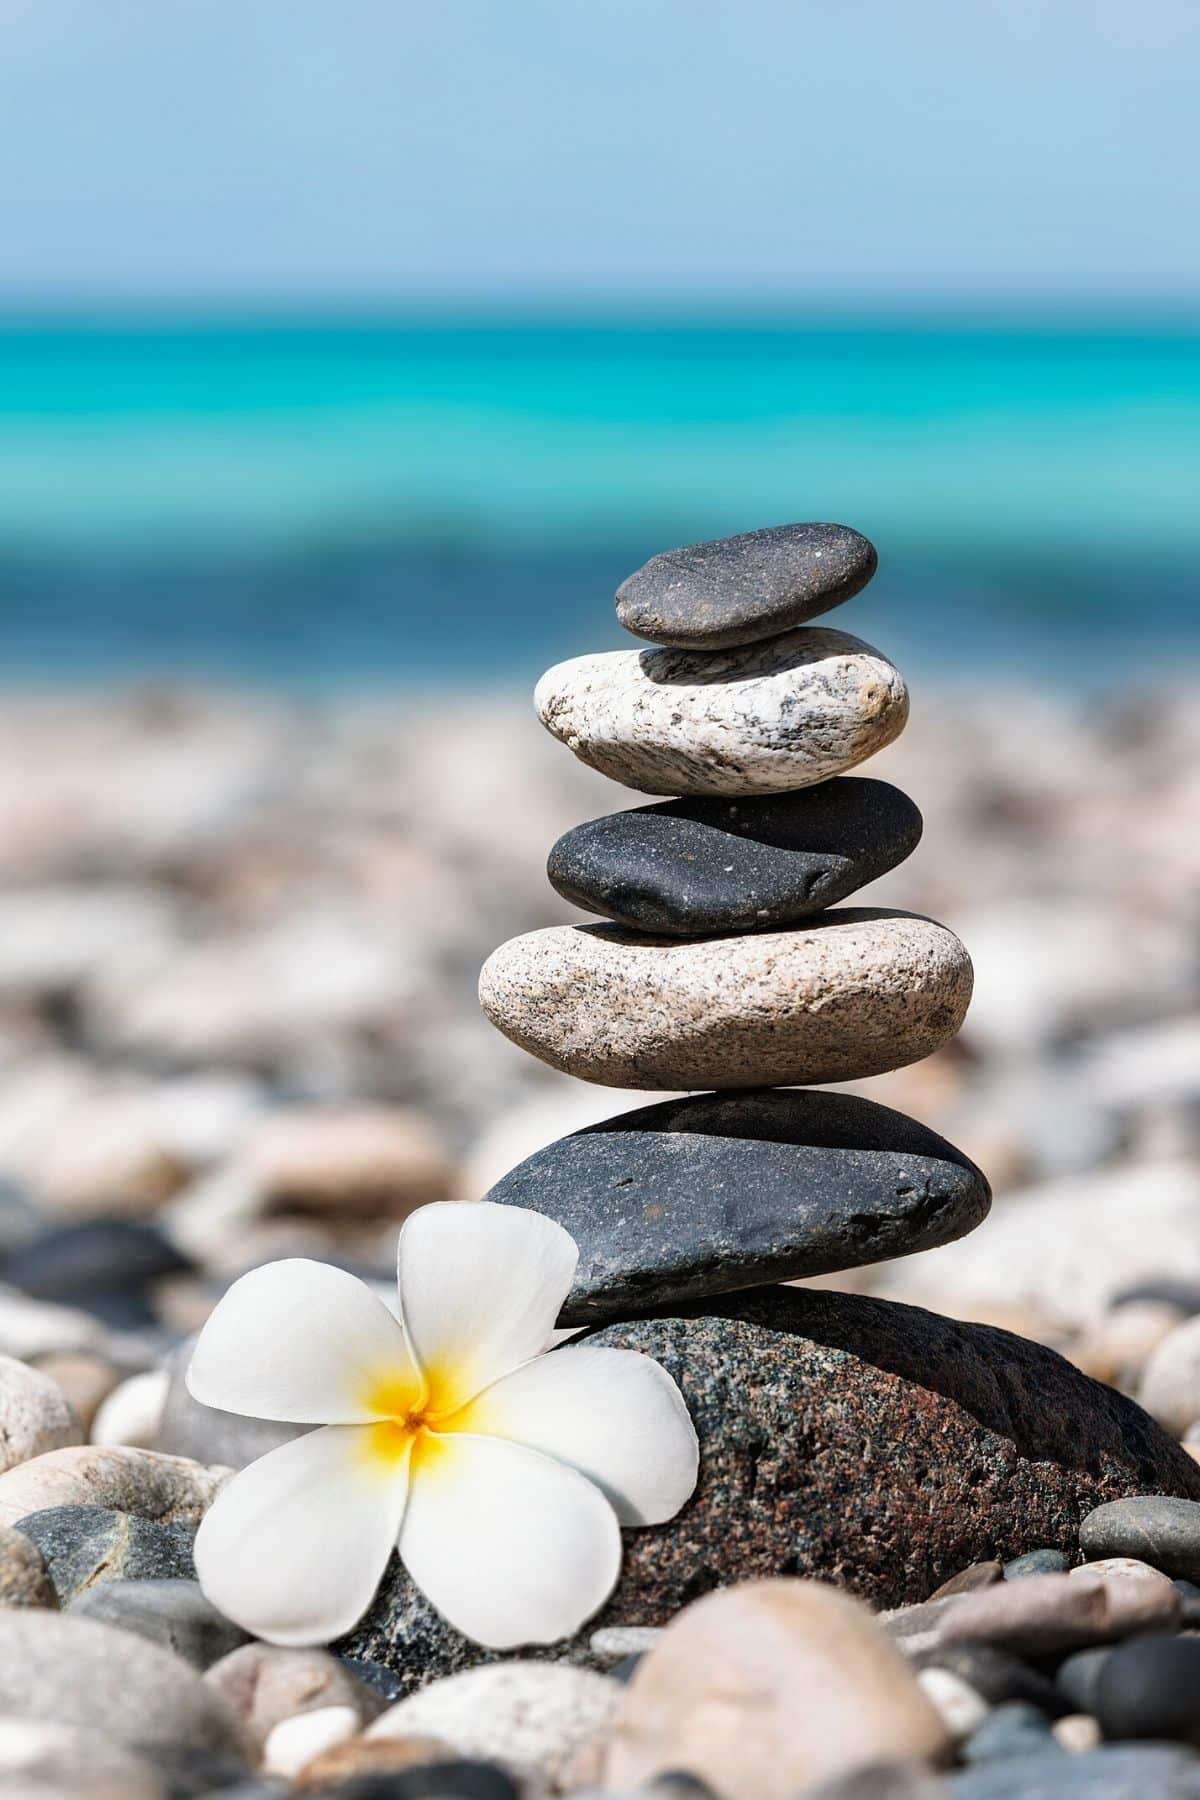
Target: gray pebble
{"x": 1156, "y": 1528}
{"x": 735, "y": 590}
{"x": 85, "y": 1546}
{"x": 1122, "y": 1772}
{"x": 24, "y": 1580}
{"x": 172, "y": 1612}
{"x": 1014, "y": 1729}
{"x": 1036, "y": 1562}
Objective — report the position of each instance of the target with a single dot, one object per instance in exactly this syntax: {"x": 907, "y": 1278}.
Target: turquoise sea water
{"x": 391, "y": 501}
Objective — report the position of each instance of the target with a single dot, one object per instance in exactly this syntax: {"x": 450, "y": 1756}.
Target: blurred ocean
{"x": 390, "y": 502}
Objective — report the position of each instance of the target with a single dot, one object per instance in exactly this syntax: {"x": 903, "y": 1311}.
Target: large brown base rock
{"x": 866, "y": 1443}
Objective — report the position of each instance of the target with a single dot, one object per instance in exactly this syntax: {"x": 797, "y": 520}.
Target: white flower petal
{"x": 302, "y": 1341}
{"x": 293, "y": 1548}
{"x": 480, "y": 1288}
{"x": 510, "y": 1546}
{"x": 614, "y": 1415}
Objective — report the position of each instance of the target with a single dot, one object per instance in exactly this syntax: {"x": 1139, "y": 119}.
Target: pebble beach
{"x": 240, "y": 942}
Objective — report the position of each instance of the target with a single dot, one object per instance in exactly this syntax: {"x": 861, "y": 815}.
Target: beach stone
{"x": 24, "y": 1580}
{"x": 366, "y": 1162}
{"x": 995, "y": 1674}
{"x": 1036, "y": 1562}
{"x": 32, "y": 1329}
{"x": 1119, "y": 1772}
{"x": 1012, "y": 1730}
{"x": 1160, "y": 1529}
{"x": 35, "y": 1415}
{"x": 975, "y": 1575}
{"x": 169, "y": 1611}
{"x": 960, "y": 1708}
{"x": 705, "y": 865}
{"x": 153, "y": 1486}
{"x": 869, "y": 1444}
{"x": 1044, "y": 1615}
{"x": 86, "y": 1546}
{"x": 364, "y": 1769}
{"x": 41, "y": 1758}
{"x": 70, "y": 1671}
{"x": 524, "y": 1715}
{"x": 878, "y": 1781}
{"x": 765, "y": 1688}
{"x": 853, "y": 995}
{"x": 1076, "y": 1733}
{"x": 132, "y": 1413}
{"x": 1170, "y": 1386}
{"x": 1150, "y": 1688}
{"x": 736, "y": 590}
{"x": 85, "y": 1377}
{"x": 104, "y": 1266}
{"x": 267, "y": 1683}
{"x": 294, "y": 1743}
{"x": 1078, "y": 1674}
{"x": 762, "y": 719}
{"x": 705, "y": 1195}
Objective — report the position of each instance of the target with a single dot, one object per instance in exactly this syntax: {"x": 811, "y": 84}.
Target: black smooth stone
{"x": 736, "y": 590}
{"x": 1078, "y": 1676}
{"x": 169, "y": 1611}
{"x": 1149, "y": 1687}
{"x": 997, "y": 1675}
{"x": 1155, "y": 1528}
{"x": 703, "y": 1196}
{"x": 1012, "y": 1730}
{"x": 92, "y": 1257}
{"x": 702, "y": 865}
{"x": 84, "y": 1546}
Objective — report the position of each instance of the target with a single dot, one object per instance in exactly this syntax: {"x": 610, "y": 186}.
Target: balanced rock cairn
{"x": 728, "y": 965}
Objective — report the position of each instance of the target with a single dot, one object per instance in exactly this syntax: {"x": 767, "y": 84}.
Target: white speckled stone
{"x": 35, "y": 1414}
{"x": 857, "y": 993}
{"x": 761, "y": 719}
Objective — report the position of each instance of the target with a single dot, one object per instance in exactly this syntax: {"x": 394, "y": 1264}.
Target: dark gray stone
{"x": 1078, "y": 1675}
{"x": 1156, "y": 1528}
{"x": 171, "y": 1612}
{"x": 1037, "y": 1562}
{"x": 706, "y": 1195}
{"x": 1150, "y": 1688}
{"x": 998, "y": 1676}
{"x": 105, "y": 1266}
{"x": 857, "y": 1441}
{"x": 85, "y": 1546}
{"x": 1161, "y": 1771}
{"x": 1014, "y": 1729}
{"x": 736, "y": 590}
{"x": 708, "y": 864}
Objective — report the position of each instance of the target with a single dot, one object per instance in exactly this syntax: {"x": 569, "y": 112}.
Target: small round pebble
{"x": 961, "y": 1708}
{"x": 35, "y": 1415}
{"x": 24, "y": 1580}
{"x": 1150, "y": 1688}
{"x": 735, "y": 590}
{"x": 1012, "y": 1730}
{"x": 1036, "y": 1562}
{"x": 294, "y": 1743}
{"x": 173, "y": 1613}
{"x": 1156, "y": 1528}
{"x": 1077, "y": 1733}
{"x": 1170, "y": 1386}
{"x": 1079, "y": 1674}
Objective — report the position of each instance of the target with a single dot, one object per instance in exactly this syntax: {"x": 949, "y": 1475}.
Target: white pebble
{"x": 1077, "y": 1732}
{"x": 960, "y": 1708}
{"x": 132, "y": 1413}
{"x": 293, "y": 1743}
{"x": 35, "y": 1414}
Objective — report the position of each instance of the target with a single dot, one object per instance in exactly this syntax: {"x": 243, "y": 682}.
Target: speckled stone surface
{"x": 736, "y": 590}
{"x": 873, "y": 1445}
{"x": 696, "y": 1197}
{"x": 850, "y": 995}
{"x": 702, "y": 865}
{"x": 762, "y": 719}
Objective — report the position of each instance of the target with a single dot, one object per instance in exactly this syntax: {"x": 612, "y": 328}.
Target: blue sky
{"x": 379, "y": 149}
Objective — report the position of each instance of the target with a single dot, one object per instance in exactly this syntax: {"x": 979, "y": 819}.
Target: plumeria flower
{"x": 501, "y": 1474}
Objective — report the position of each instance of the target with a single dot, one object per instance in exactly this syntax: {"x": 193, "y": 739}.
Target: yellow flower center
{"x": 408, "y": 1414}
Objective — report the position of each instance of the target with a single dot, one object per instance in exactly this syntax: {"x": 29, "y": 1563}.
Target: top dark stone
{"x": 736, "y": 590}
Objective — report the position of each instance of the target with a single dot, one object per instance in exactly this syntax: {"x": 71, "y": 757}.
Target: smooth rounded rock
{"x": 132, "y": 1413}
{"x": 71, "y": 1671}
{"x": 702, "y": 1196}
{"x": 1036, "y": 1562}
{"x": 24, "y": 1578}
{"x": 1044, "y": 1615}
{"x": 758, "y": 720}
{"x": 1160, "y": 1529}
{"x": 294, "y": 1743}
{"x": 870, "y": 1444}
{"x": 736, "y": 590}
{"x": 40, "y": 1759}
{"x": 267, "y": 1683}
{"x": 533, "y": 1716}
{"x": 86, "y": 1546}
{"x": 1170, "y": 1386}
{"x": 35, "y": 1415}
{"x": 766, "y": 1688}
{"x": 856, "y": 994}
{"x": 1013, "y": 1730}
{"x": 697, "y": 866}
{"x": 1150, "y": 1688}
{"x": 1119, "y": 1772}
{"x": 153, "y": 1486}
{"x": 171, "y": 1612}
{"x": 105, "y": 1266}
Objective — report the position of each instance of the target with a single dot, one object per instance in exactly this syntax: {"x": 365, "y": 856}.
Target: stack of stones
{"x": 843, "y": 1437}
{"x": 728, "y": 965}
